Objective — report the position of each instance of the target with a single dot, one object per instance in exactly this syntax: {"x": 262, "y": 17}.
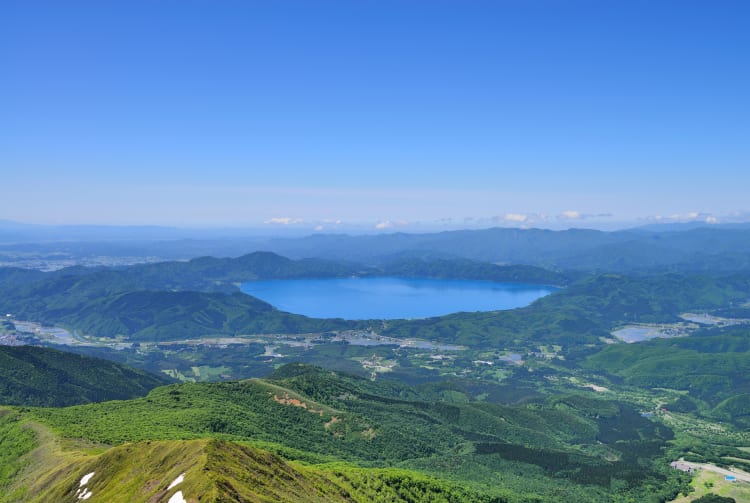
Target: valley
{"x": 485, "y": 398}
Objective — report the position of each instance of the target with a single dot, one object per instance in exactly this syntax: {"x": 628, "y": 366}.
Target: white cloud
{"x": 319, "y": 228}
{"x": 388, "y": 224}
{"x": 516, "y": 217}
{"x": 571, "y": 215}
{"x": 283, "y": 221}
{"x": 692, "y": 216}
{"x": 577, "y": 215}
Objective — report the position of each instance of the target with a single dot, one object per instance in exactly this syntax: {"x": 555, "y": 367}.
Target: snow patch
{"x": 85, "y": 479}
{"x": 177, "y": 498}
{"x": 83, "y": 492}
{"x": 176, "y": 481}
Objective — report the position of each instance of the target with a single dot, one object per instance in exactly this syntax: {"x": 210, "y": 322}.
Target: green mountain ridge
{"x": 573, "y": 445}
{"x": 206, "y": 470}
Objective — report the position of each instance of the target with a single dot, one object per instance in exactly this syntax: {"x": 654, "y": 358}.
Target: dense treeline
{"x": 470, "y": 269}
{"x": 47, "y": 377}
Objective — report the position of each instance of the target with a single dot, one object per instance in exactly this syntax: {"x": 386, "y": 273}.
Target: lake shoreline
{"x": 392, "y": 297}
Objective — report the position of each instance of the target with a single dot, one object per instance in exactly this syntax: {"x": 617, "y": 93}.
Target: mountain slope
{"x": 207, "y": 274}
{"x": 35, "y": 376}
{"x": 36, "y": 465}
{"x": 157, "y": 315}
{"x": 711, "y": 367}
{"x": 469, "y": 269}
{"x": 213, "y": 470}
{"x": 583, "y": 312}
{"x": 573, "y": 444}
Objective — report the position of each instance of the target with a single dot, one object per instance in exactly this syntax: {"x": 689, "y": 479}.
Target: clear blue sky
{"x": 240, "y": 112}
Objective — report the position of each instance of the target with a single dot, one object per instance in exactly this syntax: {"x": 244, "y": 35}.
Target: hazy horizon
{"x": 87, "y": 231}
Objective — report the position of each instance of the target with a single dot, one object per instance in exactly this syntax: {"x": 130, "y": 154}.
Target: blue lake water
{"x": 391, "y": 298}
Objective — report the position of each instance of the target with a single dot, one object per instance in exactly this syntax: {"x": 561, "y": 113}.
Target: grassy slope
{"x": 215, "y": 471}
{"x": 15, "y": 442}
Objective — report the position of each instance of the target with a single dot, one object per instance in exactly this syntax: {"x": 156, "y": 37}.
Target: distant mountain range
{"x": 697, "y": 249}
{"x": 673, "y": 247}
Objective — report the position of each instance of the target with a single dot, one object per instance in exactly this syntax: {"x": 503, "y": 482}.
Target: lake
{"x": 390, "y": 297}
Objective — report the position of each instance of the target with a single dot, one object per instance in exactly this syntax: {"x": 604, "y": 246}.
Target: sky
{"x": 382, "y": 115}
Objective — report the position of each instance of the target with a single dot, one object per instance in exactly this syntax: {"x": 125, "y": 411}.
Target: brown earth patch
{"x": 285, "y": 400}
{"x": 330, "y": 423}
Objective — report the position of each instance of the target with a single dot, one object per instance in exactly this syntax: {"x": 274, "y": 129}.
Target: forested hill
{"x": 458, "y": 268}
{"x": 155, "y": 315}
{"x": 584, "y": 312}
{"x": 35, "y": 376}
{"x": 206, "y": 274}
{"x": 210, "y": 274}
{"x": 172, "y": 300}
{"x": 164, "y": 300}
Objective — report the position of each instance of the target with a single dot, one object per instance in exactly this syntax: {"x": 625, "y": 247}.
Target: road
{"x": 744, "y": 476}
